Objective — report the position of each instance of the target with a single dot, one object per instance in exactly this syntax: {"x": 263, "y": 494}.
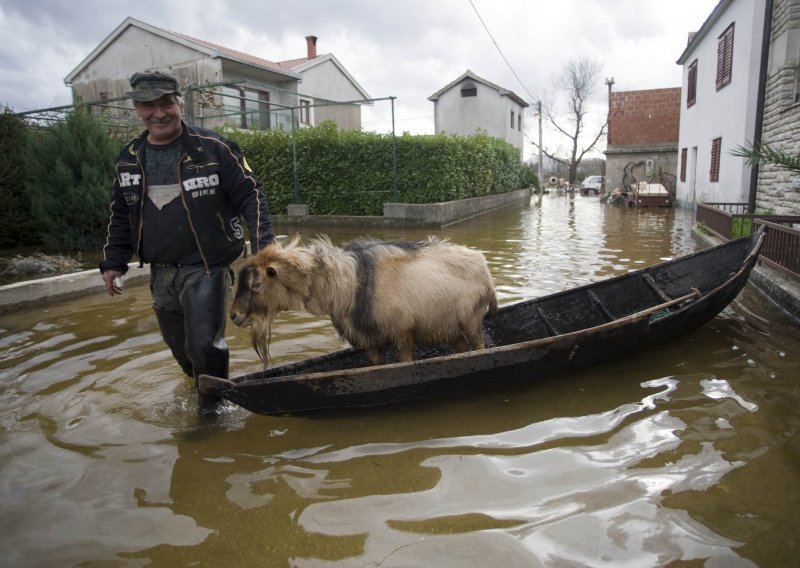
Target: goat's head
{"x": 274, "y": 280}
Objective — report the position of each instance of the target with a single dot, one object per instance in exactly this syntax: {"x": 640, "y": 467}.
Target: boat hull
{"x": 527, "y": 341}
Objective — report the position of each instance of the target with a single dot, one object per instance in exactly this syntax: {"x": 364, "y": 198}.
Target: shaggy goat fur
{"x": 377, "y": 293}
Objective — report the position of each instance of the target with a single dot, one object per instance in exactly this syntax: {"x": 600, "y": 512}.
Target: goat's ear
{"x": 271, "y": 272}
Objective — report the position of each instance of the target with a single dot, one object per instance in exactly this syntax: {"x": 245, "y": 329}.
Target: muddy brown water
{"x": 684, "y": 455}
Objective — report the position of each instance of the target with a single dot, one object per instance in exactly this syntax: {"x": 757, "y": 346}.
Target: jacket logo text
{"x": 127, "y": 180}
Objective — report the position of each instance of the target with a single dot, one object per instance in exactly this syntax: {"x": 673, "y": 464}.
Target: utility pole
{"x": 610, "y": 83}
{"x": 541, "y": 180}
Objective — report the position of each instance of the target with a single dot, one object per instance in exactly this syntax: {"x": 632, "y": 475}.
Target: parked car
{"x": 592, "y": 185}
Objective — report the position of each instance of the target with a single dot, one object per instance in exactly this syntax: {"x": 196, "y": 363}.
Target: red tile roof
{"x": 292, "y": 63}
{"x": 240, "y": 56}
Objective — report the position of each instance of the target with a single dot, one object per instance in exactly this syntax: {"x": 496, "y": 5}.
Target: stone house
{"x": 642, "y": 137}
{"x": 222, "y": 85}
{"x": 778, "y": 190}
{"x": 471, "y": 104}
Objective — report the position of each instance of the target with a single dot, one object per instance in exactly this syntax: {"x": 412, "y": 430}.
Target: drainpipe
{"x": 762, "y": 88}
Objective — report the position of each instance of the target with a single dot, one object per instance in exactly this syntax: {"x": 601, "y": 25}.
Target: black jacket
{"x": 217, "y": 187}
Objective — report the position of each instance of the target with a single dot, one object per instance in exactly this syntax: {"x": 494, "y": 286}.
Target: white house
{"x": 324, "y": 80}
{"x": 719, "y": 103}
{"x": 471, "y": 104}
{"x": 222, "y": 85}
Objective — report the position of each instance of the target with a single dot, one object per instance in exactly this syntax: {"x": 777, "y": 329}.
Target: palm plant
{"x": 757, "y": 153}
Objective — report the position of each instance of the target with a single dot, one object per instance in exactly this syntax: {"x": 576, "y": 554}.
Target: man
{"x": 178, "y": 198}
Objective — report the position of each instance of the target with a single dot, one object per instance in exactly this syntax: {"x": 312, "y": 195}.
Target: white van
{"x": 592, "y": 185}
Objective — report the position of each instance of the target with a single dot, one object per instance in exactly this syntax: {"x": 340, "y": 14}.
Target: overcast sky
{"x": 403, "y": 48}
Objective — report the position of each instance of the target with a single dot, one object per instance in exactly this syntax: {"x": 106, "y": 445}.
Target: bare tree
{"x": 575, "y": 87}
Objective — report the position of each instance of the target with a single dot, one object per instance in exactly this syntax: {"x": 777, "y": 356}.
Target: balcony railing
{"x": 781, "y": 249}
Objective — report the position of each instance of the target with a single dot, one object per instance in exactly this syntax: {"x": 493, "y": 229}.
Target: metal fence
{"x": 781, "y": 249}
{"x": 236, "y": 104}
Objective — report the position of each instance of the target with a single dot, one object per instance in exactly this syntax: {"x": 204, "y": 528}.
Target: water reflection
{"x": 659, "y": 458}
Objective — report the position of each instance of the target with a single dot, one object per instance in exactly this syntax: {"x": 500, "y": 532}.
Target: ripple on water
{"x": 555, "y": 499}
{"x": 600, "y": 467}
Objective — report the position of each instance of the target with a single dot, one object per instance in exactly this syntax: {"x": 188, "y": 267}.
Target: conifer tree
{"x": 70, "y": 171}
{"x": 17, "y": 226}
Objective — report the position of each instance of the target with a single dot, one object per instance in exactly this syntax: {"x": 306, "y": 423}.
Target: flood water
{"x": 688, "y": 455}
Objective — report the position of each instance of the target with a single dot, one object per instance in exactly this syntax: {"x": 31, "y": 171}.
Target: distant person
{"x": 178, "y": 199}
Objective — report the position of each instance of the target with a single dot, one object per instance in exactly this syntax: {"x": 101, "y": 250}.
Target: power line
{"x": 532, "y": 98}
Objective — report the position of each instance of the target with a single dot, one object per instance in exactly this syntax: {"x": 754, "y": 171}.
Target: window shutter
{"x": 725, "y": 57}
{"x": 683, "y": 163}
{"x": 691, "y": 90}
{"x": 716, "y": 148}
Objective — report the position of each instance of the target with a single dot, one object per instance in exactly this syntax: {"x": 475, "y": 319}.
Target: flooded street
{"x": 687, "y": 453}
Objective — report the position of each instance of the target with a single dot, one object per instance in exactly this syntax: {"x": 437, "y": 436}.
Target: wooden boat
{"x": 561, "y": 332}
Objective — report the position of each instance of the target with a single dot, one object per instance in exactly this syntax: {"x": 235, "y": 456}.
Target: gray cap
{"x": 153, "y": 84}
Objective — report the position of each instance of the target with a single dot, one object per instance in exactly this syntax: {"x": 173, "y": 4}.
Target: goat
{"x": 377, "y": 293}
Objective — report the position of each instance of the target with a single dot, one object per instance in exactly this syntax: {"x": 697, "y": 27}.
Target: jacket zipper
{"x": 142, "y": 192}
{"x": 189, "y": 215}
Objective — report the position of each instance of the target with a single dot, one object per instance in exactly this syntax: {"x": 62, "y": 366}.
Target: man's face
{"x": 162, "y": 117}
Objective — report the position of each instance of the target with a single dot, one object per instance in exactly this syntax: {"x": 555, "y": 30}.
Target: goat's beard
{"x": 260, "y": 337}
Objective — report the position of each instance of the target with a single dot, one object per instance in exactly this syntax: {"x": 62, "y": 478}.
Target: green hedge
{"x": 69, "y": 167}
{"x": 350, "y": 172}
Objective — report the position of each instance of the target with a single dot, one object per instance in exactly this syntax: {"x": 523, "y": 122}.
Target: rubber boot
{"x": 204, "y": 307}
{"x": 172, "y": 330}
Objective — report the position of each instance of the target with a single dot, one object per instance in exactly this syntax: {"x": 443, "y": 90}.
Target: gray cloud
{"x": 406, "y": 49}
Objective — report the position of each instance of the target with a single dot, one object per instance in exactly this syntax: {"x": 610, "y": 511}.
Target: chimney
{"x": 311, "y": 43}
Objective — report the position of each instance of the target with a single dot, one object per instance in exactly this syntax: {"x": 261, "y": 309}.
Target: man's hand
{"x": 110, "y": 279}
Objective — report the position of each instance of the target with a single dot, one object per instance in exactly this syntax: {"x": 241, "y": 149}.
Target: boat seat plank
{"x": 679, "y": 279}
{"x": 600, "y": 305}
{"x": 649, "y": 279}
{"x": 625, "y": 296}
{"x": 514, "y": 326}
{"x": 565, "y": 314}
{"x": 548, "y": 325}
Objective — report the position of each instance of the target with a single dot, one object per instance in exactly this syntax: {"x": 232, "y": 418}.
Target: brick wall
{"x": 644, "y": 117}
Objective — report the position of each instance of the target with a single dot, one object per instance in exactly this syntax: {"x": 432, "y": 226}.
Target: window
{"x": 519, "y": 122}
{"x": 691, "y": 88}
{"x": 249, "y": 107}
{"x": 797, "y": 84}
{"x": 716, "y": 147}
{"x": 469, "y": 92}
{"x": 512, "y": 120}
{"x": 305, "y": 114}
{"x": 725, "y": 57}
{"x": 684, "y": 153}
{"x": 258, "y": 110}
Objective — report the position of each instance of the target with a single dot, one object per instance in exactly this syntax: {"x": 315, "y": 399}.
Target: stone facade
{"x": 643, "y": 128}
{"x": 779, "y": 189}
